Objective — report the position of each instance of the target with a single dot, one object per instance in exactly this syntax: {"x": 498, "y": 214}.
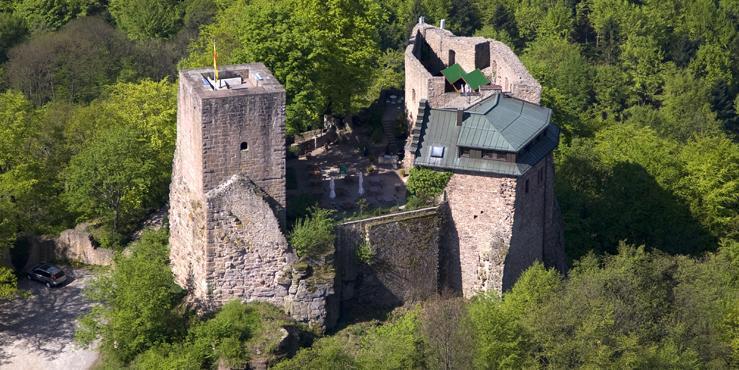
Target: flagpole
{"x": 215, "y": 64}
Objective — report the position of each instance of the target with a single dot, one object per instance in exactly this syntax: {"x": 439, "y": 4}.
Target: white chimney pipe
{"x": 442, "y": 23}
{"x": 421, "y": 20}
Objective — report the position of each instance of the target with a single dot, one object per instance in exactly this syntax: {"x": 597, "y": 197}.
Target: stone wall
{"x": 72, "y": 245}
{"x": 498, "y": 226}
{"x": 479, "y": 222}
{"x": 511, "y": 74}
{"x": 76, "y": 245}
{"x": 258, "y": 121}
{"x": 246, "y": 250}
{"x": 405, "y": 261}
{"x": 311, "y": 140}
{"x": 430, "y": 52}
{"x": 419, "y": 83}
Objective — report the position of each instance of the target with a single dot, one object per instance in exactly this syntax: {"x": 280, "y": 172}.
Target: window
{"x": 500, "y": 156}
{"x": 475, "y": 153}
{"x": 452, "y": 57}
{"x": 464, "y": 152}
{"x": 437, "y": 152}
{"x": 244, "y": 146}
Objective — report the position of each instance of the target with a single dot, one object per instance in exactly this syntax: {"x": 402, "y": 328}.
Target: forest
{"x": 645, "y": 93}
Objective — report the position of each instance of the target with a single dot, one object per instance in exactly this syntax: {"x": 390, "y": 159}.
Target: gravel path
{"x": 38, "y": 332}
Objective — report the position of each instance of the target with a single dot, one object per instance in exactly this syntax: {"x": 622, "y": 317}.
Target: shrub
{"x": 228, "y": 338}
{"x": 8, "y": 283}
{"x": 365, "y": 253}
{"x": 313, "y": 236}
{"x": 426, "y": 183}
{"x": 223, "y": 336}
{"x": 137, "y": 301}
{"x": 104, "y": 236}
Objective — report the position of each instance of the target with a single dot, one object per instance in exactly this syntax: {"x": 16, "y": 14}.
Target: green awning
{"x": 453, "y": 73}
{"x": 475, "y": 79}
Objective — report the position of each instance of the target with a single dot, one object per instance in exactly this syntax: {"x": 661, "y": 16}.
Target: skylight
{"x": 437, "y": 152}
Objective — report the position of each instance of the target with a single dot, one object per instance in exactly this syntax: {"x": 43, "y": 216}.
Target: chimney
{"x": 460, "y": 116}
{"x": 442, "y": 23}
{"x": 421, "y": 20}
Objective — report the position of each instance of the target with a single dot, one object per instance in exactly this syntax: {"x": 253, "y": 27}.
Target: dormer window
{"x": 437, "y": 152}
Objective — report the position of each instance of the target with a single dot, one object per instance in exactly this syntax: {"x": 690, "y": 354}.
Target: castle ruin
{"x": 497, "y": 217}
{"x": 497, "y": 141}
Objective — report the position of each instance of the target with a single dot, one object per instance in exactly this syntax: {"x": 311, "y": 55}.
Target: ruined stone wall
{"x": 419, "y": 83}
{"x": 76, "y": 245}
{"x": 405, "y": 264}
{"x": 248, "y": 253}
{"x": 430, "y": 52}
{"x": 511, "y": 74}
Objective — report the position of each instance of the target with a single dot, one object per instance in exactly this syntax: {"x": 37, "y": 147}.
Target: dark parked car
{"x": 48, "y": 274}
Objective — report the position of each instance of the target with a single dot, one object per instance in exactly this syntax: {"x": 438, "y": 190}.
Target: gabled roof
{"x": 474, "y": 79}
{"x": 453, "y": 73}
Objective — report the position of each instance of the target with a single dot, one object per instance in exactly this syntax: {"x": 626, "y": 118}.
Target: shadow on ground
{"x": 42, "y": 326}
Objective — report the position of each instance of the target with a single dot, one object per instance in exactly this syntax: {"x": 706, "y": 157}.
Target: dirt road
{"x": 38, "y": 332}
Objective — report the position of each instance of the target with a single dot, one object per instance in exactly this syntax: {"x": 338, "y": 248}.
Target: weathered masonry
{"x": 403, "y": 263}
{"x": 501, "y": 211}
{"x": 227, "y": 196}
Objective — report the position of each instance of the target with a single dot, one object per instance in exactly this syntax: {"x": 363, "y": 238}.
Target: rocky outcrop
{"x": 77, "y": 245}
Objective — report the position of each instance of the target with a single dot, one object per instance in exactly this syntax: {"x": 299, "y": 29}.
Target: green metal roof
{"x": 497, "y": 123}
{"x": 453, "y": 73}
{"x": 502, "y": 123}
{"x": 475, "y": 79}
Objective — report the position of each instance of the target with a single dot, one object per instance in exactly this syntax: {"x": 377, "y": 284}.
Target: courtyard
{"x": 366, "y": 174}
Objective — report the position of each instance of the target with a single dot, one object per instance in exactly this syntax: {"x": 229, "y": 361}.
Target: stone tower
{"x": 502, "y": 214}
{"x": 227, "y": 196}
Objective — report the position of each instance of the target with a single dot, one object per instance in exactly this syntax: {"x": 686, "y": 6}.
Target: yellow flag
{"x": 215, "y": 61}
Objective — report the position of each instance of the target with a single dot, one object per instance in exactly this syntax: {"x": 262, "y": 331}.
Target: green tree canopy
{"x": 143, "y": 19}
{"x": 323, "y": 52}
{"x": 113, "y": 178}
{"x": 50, "y": 15}
{"x": 72, "y": 64}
